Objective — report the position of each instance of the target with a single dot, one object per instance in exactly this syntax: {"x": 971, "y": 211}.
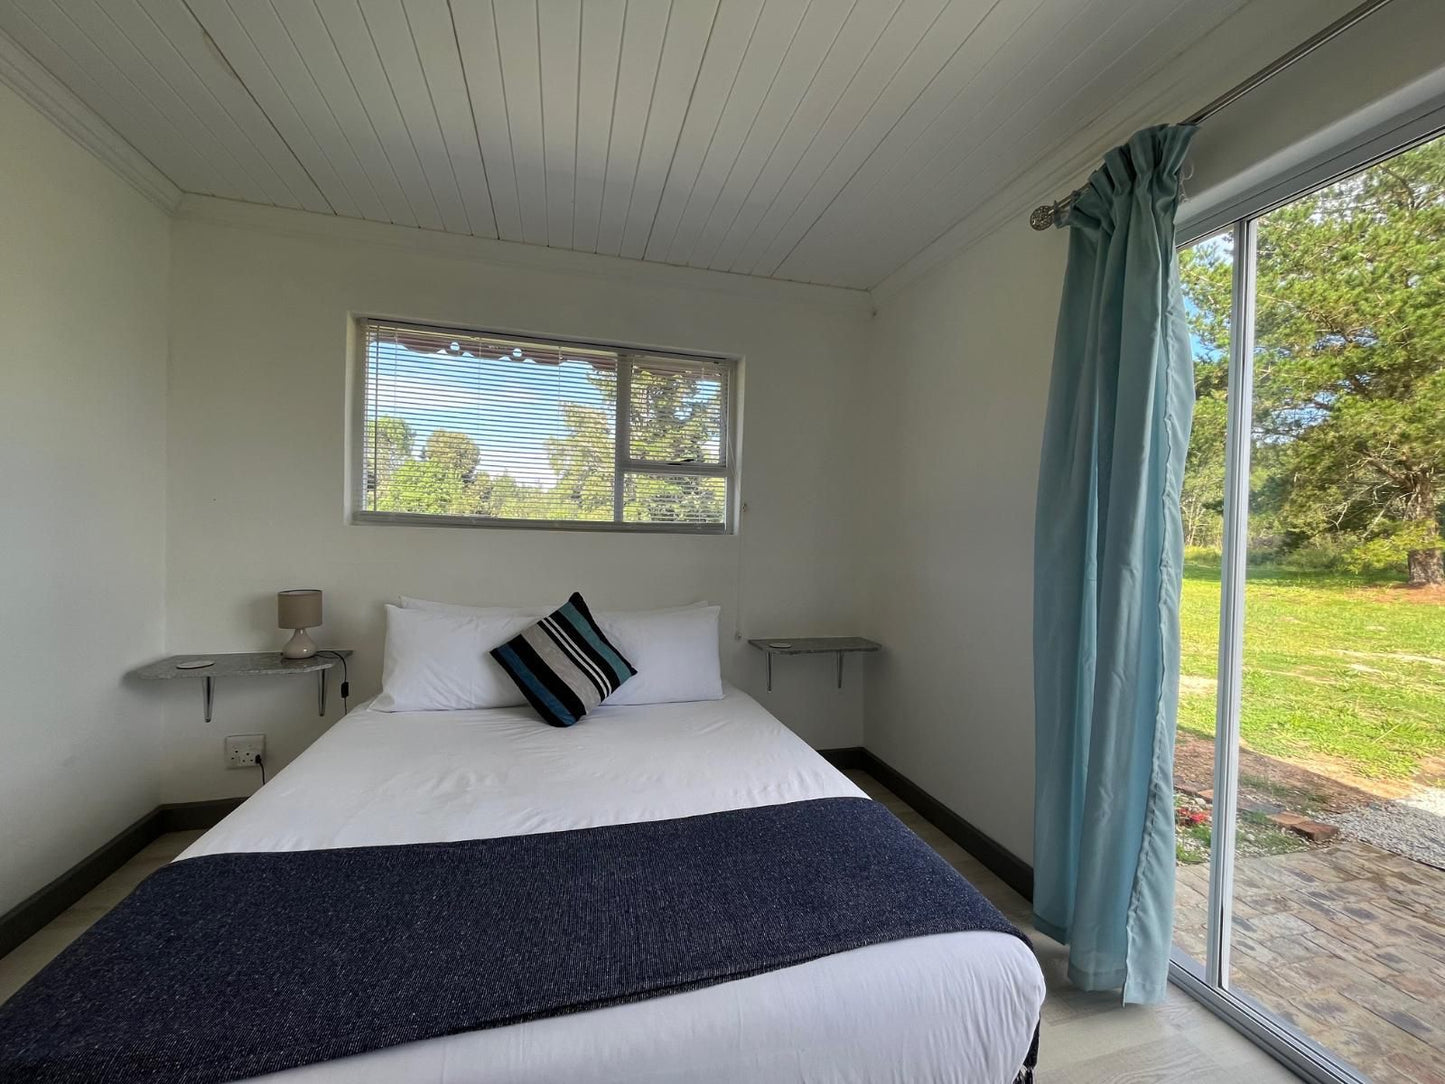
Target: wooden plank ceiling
{"x": 817, "y": 140}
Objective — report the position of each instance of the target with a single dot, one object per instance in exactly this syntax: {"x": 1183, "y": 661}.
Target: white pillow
{"x": 674, "y": 650}
{"x": 439, "y": 660}
{"x": 536, "y": 613}
{"x": 675, "y": 654}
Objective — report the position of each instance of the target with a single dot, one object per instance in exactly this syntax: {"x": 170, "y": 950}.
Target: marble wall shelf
{"x": 813, "y": 645}
{"x": 241, "y": 664}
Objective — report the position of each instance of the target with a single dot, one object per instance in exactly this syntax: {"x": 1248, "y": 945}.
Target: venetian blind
{"x": 473, "y": 427}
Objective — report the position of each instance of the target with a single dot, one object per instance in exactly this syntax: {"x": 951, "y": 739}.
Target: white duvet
{"x": 956, "y": 1007}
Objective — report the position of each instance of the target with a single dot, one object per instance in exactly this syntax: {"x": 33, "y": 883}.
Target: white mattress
{"x": 957, "y": 1007}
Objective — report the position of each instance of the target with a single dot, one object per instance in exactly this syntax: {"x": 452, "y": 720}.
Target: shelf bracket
{"x": 837, "y": 646}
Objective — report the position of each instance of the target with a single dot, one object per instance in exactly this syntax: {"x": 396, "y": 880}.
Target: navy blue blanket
{"x": 229, "y": 966}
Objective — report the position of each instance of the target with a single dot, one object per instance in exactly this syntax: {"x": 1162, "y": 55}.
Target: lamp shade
{"x": 299, "y": 608}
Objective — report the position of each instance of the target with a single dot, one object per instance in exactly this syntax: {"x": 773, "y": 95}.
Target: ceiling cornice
{"x": 23, "y": 74}
{"x": 285, "y": 221}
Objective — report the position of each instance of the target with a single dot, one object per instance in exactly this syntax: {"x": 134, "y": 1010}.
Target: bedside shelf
{"x": 242, "y": 664}
{"x": 813, "y": 645}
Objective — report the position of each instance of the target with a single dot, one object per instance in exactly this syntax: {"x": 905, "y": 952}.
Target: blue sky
{"x": 508, "y": 405}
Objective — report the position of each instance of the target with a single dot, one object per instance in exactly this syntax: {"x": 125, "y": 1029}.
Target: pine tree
{"x": 1349, "y": 408}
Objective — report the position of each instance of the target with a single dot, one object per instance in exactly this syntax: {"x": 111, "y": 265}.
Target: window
{"x": 470, "y": 428}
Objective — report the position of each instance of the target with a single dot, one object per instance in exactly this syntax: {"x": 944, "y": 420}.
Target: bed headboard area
{"x": 260, "y": 500}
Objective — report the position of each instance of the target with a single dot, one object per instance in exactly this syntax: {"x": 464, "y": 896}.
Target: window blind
{"x": 469, "y": 427}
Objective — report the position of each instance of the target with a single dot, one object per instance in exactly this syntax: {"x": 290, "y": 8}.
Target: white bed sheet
{"x": 956, "y": 1007}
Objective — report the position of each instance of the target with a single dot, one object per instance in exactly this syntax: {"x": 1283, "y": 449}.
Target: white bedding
{"x": 957, "y": 1007}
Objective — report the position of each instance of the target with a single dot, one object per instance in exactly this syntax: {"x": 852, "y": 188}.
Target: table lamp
{"x": 299, "y": 609}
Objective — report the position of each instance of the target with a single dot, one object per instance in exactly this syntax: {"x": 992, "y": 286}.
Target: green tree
{"x": 439, "y": 483}
{"x": 1351, "y": 356}
{"x": 388, "y": 444}
{"x": 507, "y": 498}
{"x": 674, "y": 417}
{"x": 582, "y": 460}
{"x": 1205, "y": 270}
{"x": 424, "y": 485}
{"x": 1349, "y": 411}
{"x": 455, "y": 451}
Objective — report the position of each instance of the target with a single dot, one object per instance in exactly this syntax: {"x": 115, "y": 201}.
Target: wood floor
{"x": 1087, "y": 1038}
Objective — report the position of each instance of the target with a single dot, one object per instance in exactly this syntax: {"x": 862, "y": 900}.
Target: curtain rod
{"x": 1052, "y": 214}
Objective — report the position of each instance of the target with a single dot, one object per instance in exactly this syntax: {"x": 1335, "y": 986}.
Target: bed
{"x": 951, "y": 1007}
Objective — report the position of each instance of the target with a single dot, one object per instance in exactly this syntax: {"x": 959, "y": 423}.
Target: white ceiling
{"x": 818, "y": 140}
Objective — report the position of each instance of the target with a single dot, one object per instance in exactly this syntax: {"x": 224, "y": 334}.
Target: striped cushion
{"x": 563, "y": 664}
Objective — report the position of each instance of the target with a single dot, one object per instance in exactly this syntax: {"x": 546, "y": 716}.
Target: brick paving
{"x": 1344, "y": 941}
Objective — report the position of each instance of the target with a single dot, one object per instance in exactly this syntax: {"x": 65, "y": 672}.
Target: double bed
{"x": 952, "y": 1007}
{"x": 669, "y": 891}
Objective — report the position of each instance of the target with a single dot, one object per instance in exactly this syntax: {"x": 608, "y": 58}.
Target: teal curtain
{"x": 1108, "y": 550}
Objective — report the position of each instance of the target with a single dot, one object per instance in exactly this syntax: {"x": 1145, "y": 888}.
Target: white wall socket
{"x": 243, "y": 749}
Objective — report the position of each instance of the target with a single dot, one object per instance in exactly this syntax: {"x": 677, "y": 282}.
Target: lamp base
{"x": 300, "y": 646}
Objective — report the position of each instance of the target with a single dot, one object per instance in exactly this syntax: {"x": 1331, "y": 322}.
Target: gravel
{"x": 1413, "y": 826}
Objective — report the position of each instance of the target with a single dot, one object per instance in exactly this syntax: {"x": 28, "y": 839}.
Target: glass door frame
{"x": 1211, "y": 985}
{"x": 1208, "y": 982}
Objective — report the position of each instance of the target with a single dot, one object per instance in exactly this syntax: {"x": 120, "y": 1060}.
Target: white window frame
{"x": 629, "y": 356}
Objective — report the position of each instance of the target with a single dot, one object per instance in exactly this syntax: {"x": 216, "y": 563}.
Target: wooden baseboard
{"x": 36, "y": 911}
{"x": 195, "y": 816}
{"x": 854, "y": 756}
{"x": 1007, "y": 866}
{"x": 1003, "y": 863}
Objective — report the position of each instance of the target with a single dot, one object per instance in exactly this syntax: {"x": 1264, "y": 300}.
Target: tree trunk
{"x": 1426, "y": 567}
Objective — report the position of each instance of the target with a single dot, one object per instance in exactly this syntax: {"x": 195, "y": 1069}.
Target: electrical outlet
{"x": 243, "y": 749}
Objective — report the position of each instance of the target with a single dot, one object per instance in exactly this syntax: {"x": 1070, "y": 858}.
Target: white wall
{"x": 258, "y": 414}
{"x": 83, "y": 279}
{"x": 951, "y": 586}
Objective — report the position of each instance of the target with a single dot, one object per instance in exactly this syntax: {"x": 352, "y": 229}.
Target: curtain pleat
{"x": 1108, "y": 557}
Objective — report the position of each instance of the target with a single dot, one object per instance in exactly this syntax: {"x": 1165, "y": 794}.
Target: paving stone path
{"x": 1344, "y": 941}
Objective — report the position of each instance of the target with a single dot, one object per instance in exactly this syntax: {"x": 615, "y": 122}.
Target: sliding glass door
{"x": 1310, "y": 767}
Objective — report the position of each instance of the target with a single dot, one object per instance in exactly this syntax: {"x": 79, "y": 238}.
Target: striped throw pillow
{"x": 563, "y": 664}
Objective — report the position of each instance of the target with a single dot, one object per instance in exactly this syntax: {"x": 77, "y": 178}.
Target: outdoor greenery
{"x": 1349, "y": 366}
{"x": 676, "y": 417}
{"x": 1344, "y": 668}
{"x": 1337, "y": 667}
{"x": 1254, "y": 834}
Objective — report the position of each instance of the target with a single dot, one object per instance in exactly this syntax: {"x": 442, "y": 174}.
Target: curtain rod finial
{"x": 1044, "y": 216}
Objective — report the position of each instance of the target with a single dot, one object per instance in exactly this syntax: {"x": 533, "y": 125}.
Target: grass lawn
{"x": 1346, "y": 668}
